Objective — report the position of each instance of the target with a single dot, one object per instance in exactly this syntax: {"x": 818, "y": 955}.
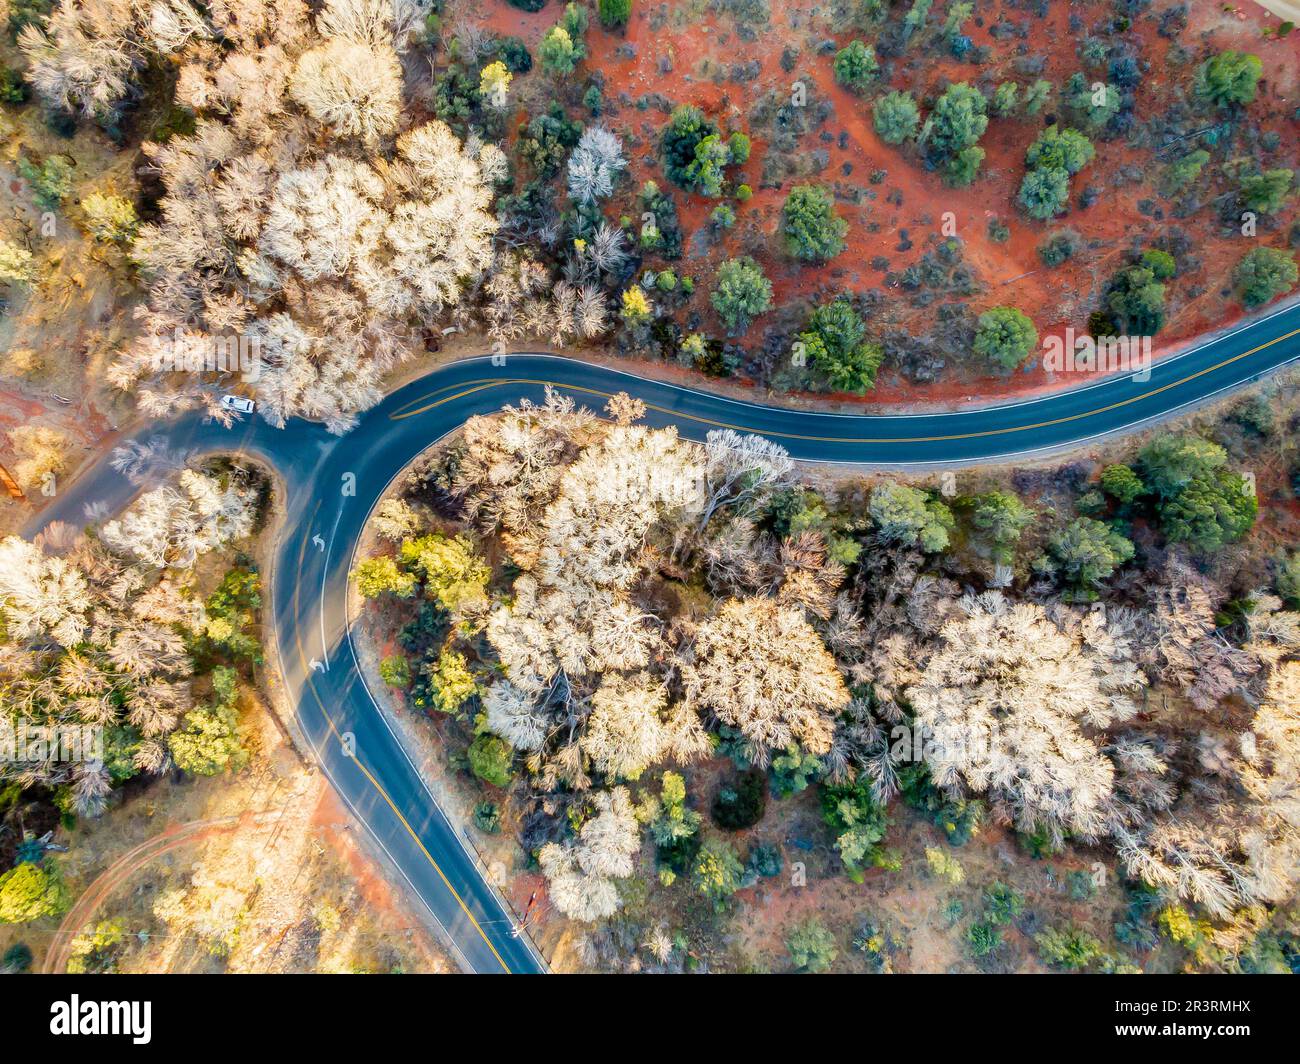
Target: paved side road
{"x": 332, "y": 483}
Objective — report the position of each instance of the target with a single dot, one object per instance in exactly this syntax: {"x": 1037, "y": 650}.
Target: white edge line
{"x": 1109, "y": 379}
{"x": 347, "y": 636}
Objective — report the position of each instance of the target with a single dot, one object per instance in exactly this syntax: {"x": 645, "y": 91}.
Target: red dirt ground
{"x": 1010, "y": 272}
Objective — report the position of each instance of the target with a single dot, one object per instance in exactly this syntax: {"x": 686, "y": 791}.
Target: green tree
{"x": 836, "y": 342}
{"x": 794, "y": 770}
{"x": 1135, "y": 302}
{"x": 614, "y": 13}
{"x": 1121, "y": 483}
{"x": 909, "y": 516}
{"x": 395, "y": 671}
{"x": 1068, "y": 947}
{"x": 915, "y": 18}
{"x": 559, "y": 52}
{"x": 1060, "y": 246}
{"x": 983, "y": 939}
{"x": 1263, "y": 274}
{"x": 741, "y": 293}
{"x": 896, "y": 117}
{"x": 207, "y": 743}
{"x": 1005, "y": 98}
{"x": 1086, "y": 552}
{"x": 1002, "y": 903}
{"x": 1060, "y": 149}
{"x": 1266, "y": 192}
{"x": 859, "y": 823}
{"x": 1229, "y": 78}
{"x": 31, "y": 891}
{"x": 1037, "y": 95}
{"x": 95, "y": 950}
{"x": 487, "y": 818}
{"x": 17, "y": 959}
{"x": 453, "y": 574}
{"x": 564, "y": 46}
{"x": 490, "y": 759}
{"x": 1161, "y": 264}
{"x": 1288, "y": 579}
{"x": 452, "y": 682}
{"x": 955, "y": 16}
{"x": 961, "y": 169}
{"x": 1000, "y": 518}
{"x": 855, "y": 65}
{"x": 666, "y": 814}
{"x": 109, "y": 219}
{"x": 812, "y": 948}
{"x": 1183, "y": 172}
{"x": 1005, "y": 336}
{"x": 686, "y": 128}
{"x": 1093, "y": 103}
{"x": 957, "y": 122}
{"x": 717, "y": 872}
{"x": 1044, "y": 193}
{"x": 380, "y": 575}
{"x": 1172, "y": 462}
{"x": 813, "y": 231}
{"x": 1211, "y": 511}
{"x": 51, "y": 179}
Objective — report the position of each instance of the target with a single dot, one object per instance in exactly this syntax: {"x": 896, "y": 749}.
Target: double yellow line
{"x": 411, "y": 410}
{"x": 355, "y": 756}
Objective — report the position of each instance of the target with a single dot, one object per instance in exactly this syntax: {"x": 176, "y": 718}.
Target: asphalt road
{"x": 332, "y": 483}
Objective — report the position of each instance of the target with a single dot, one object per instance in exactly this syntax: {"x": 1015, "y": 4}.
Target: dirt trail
{"x": 104, "y": 885}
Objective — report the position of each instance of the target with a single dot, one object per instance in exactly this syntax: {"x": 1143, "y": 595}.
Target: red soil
{"x": 1009, "y": 272}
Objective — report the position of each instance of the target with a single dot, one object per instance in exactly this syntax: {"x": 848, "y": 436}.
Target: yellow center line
{"x": 307, "y": 677}
{"x": 680, "y": 415}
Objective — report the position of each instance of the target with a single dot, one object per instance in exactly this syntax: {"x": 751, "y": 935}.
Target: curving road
{"x": 324, "y": 517}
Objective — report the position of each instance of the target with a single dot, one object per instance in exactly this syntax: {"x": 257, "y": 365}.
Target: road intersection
{"x": 331, "y": 484}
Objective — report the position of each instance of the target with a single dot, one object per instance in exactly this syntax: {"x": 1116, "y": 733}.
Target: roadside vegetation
{"x": 336, "y": 188}
{"x": 757, "y": 683}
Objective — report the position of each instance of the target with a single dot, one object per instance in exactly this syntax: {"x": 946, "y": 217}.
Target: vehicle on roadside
{"x": 238, "y": 403}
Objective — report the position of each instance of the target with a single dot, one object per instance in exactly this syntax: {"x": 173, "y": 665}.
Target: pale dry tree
{"x": 41, "y": 596}
{"x": 512, "y": 464}
{"x": 594, "y": 165}
{"x": 172, "y": 526}
{"x": 1233, "y": 839}
{"x": 735, "y": 558}
{"x": 1015, "y": 705}
{"x": 331, "y": 259}
{"x": 91, "y": 641}
{"x": 623, "y": 409}
{"x": 1181, "y": 642}
{"x": 83, "y": 59}
{"x": 624, "y": 733}
{"x": 607, "y": 249}
{"x": 396, "y": 519}
{"x": 805, "y": 575}
{"x": 760, "y": 667}
{"x": 42, "y": 452}
{"x": 659, "y": 944}
{"x": 614, "y": 495}
{"x": 581, "y": 875}
{"x": 575, "y": 647}
{"x": 354, "y": 89}
{"x": 172, "y": 24}
{"x": 741, "y": 469}
{"x": 517, "y": 716}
